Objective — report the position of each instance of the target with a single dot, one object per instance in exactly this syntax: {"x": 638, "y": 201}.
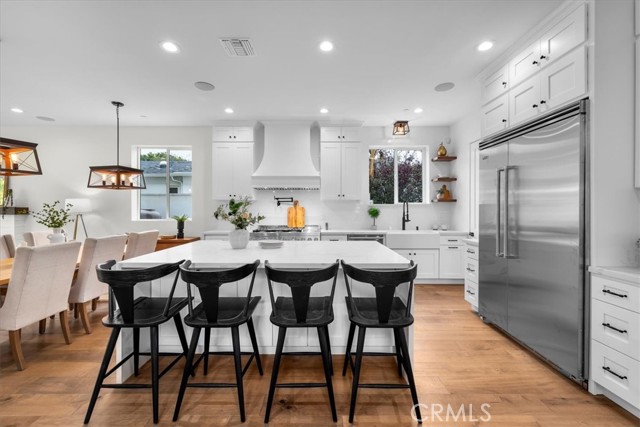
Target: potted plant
{"x": 374, "y": 213}
{"x": 237, "y": 213}
{"x": 54, "y": 217}
{"x": 180, "y": 220}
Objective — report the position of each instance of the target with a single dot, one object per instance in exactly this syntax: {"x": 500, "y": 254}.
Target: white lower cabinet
{"x": 451, "y": 257}
{"x": 428, "y": 261}
{"x": 471, "y": 275}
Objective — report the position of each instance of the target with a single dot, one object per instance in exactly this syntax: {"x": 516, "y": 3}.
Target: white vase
{"x": 57, "y": 236}
{"x": 239, "y": 239}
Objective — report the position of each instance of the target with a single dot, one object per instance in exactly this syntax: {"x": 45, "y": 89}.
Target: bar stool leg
{"x": 407, "y": 368}
{"x": 235, "y": 336}
{"x": 188, "y": 368}
{"x": 356, "y": 374}
{"x": 282, "y": 332}
{"x": 254, "y": 343}
{"x": 398, "y": 352}
{"x": 155, "y": 390}
{"x": 136, "y": 351}
{"x": 180, "y": 329}
{"x": 347, "y": 353}
{"x": 111, "y": 345}
{"x": 324, "y": 349}
{"x": 207, "y": 341}
{"x": 326, "y": 332}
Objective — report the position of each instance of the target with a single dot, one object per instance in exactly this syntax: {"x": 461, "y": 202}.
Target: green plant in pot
{"x": 237, "y": 213}
{"x": 374, "y": 213}
{"x": 180, "y": 220}
{"x": 54, "y": 216}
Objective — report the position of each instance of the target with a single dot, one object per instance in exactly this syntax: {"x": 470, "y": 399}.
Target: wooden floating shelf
{"x": 444, "y": 158}
{"x": 444, "y": 179}
{"x": 445, "y": 201}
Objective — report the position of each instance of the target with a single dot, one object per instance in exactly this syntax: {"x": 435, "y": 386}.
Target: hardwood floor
{"x": 458, "y": 361}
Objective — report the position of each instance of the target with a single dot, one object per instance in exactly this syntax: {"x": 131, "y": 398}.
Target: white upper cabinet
{"x": 495, "y": 85}
{"x": 525, "y": 64}
{"x": 340, "y": 134}
{"x": 524, "y": 100}
{"x": 495, "y": 116}
{"x": 340, "y": 171}
{"x": 564, "y": 36}
{"x": 233, "y": 133}
{"x": 231, "y": 169}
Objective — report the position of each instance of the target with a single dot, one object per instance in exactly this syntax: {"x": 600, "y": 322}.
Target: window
{"x": 167, "y": 172}
{"x": 397, "y": 175}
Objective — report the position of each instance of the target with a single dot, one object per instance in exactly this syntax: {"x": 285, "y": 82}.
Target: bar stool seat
{"x": 149, "y": 312}
{"x": 230, "y": 313}
{"x": 319, "y": 313}
{"x": 364, "y": 312}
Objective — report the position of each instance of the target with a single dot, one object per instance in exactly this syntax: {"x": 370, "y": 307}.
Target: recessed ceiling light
{"x": 418, "y": 110}
{"x": 17, "y": 110}
{"x": 170, "y": 47}
{"x": 485, "y": 46}
{"x": 206, "y": 86}
{"x": 326, "y": 46}
{"x": 443, "y": 87}
{"x": 143, "y": 116}
{"x": 324, "y": 111}
{"x": 45, "y": 118}
{"x": 228, "y": 110}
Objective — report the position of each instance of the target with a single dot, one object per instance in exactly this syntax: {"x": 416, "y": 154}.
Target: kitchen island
{"x": 293, "y": 254}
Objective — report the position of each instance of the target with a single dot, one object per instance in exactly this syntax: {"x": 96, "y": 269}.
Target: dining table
{"x": 6, "y": 265}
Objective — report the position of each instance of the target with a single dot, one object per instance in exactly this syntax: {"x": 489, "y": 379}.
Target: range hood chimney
{"x": 286, "y": 163}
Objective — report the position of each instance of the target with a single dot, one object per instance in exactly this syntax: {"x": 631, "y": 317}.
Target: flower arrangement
{"x": 52, "y": 216}
{"x": 237, "y": 213}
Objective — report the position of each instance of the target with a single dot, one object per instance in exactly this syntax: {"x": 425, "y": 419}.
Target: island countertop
{"x": 293, "y": 254}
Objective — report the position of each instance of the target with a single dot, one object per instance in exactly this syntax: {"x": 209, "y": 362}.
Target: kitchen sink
{"x": 413, "y": 239}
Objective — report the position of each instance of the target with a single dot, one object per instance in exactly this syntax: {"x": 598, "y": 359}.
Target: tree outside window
{"x": 396, "y": 175}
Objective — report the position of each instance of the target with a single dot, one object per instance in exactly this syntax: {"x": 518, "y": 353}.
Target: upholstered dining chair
{"x": 86, "y": 287}
{"x": 141, "y": 243}
{"x": 36, "y": 238}
{"x": 38, "y": 288}
{"x": 7, "y": 246}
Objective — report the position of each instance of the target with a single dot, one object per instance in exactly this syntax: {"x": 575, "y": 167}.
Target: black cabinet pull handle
{"x": 535, "y": 62}
{"x": 470, "y": 269}
{"x": 469, "y": 251}
{"x": 543, "y": 57}
{"x": 504, "y": 84}
{"x": 534, "y": 106}
{"x": 608, "y": 369}
{"x": 471, "y": 293}
{"x": 453, "y": 247}
{"x": 504, "y": 120}
{"x": 607, "y": 291}
{"x": 543, "y": 102}
{"x": 622, "y": 331}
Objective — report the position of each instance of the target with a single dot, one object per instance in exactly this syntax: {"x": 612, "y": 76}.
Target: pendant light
{"x": 18, "y": 158}
{"x": 116, "y": 177}
{"x": 401, "y": 128}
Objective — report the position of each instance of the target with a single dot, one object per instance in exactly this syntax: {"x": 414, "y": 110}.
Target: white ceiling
{"x": 69, "y": 59}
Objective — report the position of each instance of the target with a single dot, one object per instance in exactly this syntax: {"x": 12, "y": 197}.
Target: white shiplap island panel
{"x": 293, "y": 254}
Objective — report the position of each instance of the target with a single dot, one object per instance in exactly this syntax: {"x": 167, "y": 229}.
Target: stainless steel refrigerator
{"x": 533, "y": 237}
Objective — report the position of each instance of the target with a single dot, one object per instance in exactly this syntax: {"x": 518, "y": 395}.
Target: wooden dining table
{"x": 6, "y": 265}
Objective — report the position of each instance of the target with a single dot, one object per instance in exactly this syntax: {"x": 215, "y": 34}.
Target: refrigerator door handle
{"x": 507, "y": 253}
{"x": 499, "y": 253}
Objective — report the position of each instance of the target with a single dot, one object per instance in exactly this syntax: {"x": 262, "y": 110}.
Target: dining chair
{"x": 36, "y": 238}
{"x": 141, "y": 243}
{"x": 86, "y": 287}
{"x": 7, "y": 246}
{"x": 38, "y": 288}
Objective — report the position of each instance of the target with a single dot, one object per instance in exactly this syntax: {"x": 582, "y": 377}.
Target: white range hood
{"x": 286, "y": 163}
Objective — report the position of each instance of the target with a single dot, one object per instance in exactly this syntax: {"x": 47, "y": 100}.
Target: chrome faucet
{"x": 405, "y": 214}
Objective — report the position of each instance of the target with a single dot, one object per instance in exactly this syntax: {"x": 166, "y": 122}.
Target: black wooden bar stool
{"x": 137, "y": 313}
{"x": 302, "y": 311}
{"x": 385, "y": 310}
{"x": 219, "y": 312}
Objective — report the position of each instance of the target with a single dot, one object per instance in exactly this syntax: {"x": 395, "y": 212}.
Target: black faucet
{"x": 405, "y": 214}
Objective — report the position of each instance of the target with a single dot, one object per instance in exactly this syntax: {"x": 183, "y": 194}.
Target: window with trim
{"x": 397, "y": 175}
{"x": 168, "y": 174}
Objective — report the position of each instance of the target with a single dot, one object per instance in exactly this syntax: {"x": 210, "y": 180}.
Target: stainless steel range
{"x": 282, "y": 232}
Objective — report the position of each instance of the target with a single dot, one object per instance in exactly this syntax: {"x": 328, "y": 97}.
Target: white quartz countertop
{"x": 293, "y": 254}
{"x": 338, "y": 232}
{"x": 629, "y": 274}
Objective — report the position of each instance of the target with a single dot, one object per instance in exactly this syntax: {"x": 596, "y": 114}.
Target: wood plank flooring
{"x": 458, "y": 361}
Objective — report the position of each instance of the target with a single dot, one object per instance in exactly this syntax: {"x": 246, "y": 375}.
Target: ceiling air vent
{"x": 237, "y": 46}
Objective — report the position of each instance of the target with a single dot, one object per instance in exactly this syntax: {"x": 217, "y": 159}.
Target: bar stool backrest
{"x": 209, "y": 280}
{"x": 122, "y": 282}
{"x": 385, "y": 283}
{"x": 301, "y": 282}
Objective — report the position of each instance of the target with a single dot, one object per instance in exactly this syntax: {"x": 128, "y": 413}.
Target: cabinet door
{"x": 495, "y": 116}
{"x": 564, "y": 80}
{"x": 330, "y": 171}
{"x": 330, "y": 134}
{"x": 451, "y": 262}
{"x": 223, "y": 134}
{"x": 471, "y": 294}
{"x": 242, "y": 169}
{"x": 495, "y": 85}
{"x": 564, "y": 36}
{"x": 222, "y": 171}
{"x": 351, "y": 167}
{"x": 525, "y": 64}
{"x": 428, "y": 263}
{"x": 524, "y": 100}
{"x": 351, "y": 134}
{"x": 243, "y": 134}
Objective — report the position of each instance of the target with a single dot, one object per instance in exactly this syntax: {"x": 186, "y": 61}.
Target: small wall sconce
{"x": 401, "y": 127}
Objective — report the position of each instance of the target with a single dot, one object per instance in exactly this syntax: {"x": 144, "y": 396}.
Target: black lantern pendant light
{"x": 401, "y": 128}
{"x": 116, "y": 177}
{"x": 18, "y": 158}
